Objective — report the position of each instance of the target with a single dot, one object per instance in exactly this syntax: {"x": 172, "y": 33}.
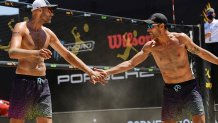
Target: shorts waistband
{"x": 182, "y": 84}
{"x": 20, "y": 76}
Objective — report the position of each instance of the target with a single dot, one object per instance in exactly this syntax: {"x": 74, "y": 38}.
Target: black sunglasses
{"x": 50, "y": 9}
{"x": 149, "y": 26}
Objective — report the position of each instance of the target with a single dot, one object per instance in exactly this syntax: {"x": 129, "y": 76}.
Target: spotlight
{"x": 119, "y": 19}
{"x": 133, "y": 21}
{"x": 69, "y": 12}
{"x": 87, "y": 15}
{"x": 103, "y": 17}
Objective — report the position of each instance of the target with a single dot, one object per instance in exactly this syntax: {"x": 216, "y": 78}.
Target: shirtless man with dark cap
{"x": 170, "y": 51}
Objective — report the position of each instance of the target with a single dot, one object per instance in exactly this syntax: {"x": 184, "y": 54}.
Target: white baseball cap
{"x": 42, "y": 3}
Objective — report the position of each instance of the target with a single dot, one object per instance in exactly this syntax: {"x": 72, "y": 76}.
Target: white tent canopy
{"x": 8, "y": 10}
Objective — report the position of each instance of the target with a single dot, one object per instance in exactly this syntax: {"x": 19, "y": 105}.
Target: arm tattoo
{"x": 194, "y": 50}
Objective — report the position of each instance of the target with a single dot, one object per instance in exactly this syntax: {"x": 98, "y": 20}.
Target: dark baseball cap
{"x": 157, "y": 18}
{"x": 210, "y": 11}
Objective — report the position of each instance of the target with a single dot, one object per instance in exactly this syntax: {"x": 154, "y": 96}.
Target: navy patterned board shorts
{"x": 181, "y": 100}
{"x": 30, "y": 98}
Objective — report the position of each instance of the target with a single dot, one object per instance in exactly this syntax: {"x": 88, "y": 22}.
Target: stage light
{"x": 69, "y": 12}
{"x": 136, "y": 69}
{"x": 150, "y": 69}
{"x": 87, "y": 15}
{"x": 53, "y": 65}
{"x": 133, "y": 21}
{"x": 103, "y": 17}
{"x": 119, "y": 19}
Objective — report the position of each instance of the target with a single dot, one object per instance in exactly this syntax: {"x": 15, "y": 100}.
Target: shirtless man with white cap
{"x": 30, "y": 96}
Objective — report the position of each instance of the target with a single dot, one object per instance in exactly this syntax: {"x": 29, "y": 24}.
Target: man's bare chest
{"x": 170, "y": 54}
{"x": 35, "y": 40}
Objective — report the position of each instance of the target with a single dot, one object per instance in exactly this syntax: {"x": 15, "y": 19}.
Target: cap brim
{"x": 149, "y": 21}
{"x": 52, "y": 6}
{"x": 49, "y": 6}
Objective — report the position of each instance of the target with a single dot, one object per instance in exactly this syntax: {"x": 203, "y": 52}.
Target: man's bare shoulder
{"x": 21, "y": 23}
{"x": 178, "y": 35}
{"x": 182, "y": 37}
{"x": 46, "y": 29}
{"x": 148, "y": 45}
{"x": 20, "y": 26}
{"x": 49, "y": 31}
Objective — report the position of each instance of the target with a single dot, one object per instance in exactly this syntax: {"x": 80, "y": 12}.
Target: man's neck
{"x": 34, "y": 25}
{"x": 163, "y": 38}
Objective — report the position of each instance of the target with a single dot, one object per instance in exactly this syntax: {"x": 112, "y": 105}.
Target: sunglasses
{"x": 50, "y": 9}
{"x": 149, "y": 26}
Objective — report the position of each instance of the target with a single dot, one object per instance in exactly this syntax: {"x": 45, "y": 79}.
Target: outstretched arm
{"x": 195, "y": 49}
{"x": 127, "y": 65}
{"x": 72, "y": 58}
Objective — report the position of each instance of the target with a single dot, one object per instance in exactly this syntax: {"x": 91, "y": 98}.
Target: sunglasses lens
{"x": 149, "y": 26}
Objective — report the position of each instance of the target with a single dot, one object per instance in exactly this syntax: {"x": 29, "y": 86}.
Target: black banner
{"x": 72, "y": 91}
{"x": 6, "y": 26}
{"x": 98, "y": 42}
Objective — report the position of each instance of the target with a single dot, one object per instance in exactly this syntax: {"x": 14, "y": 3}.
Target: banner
{"x": 98, "y": 42}
{"x": 6, "y": 26}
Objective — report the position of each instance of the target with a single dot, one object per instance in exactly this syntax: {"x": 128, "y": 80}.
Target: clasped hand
{"x": 45, "y": 53}
{"x": 99, "y": 76}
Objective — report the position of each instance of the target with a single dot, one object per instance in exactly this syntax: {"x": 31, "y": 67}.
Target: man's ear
{"x": 162, "y": 25}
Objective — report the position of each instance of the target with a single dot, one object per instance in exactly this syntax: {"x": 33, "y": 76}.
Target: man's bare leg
{"x": 198, "y": 119}
{"x": 44, "y": 120}
{"x": 12, "y": 120}
{"x": 169, "y": 121}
